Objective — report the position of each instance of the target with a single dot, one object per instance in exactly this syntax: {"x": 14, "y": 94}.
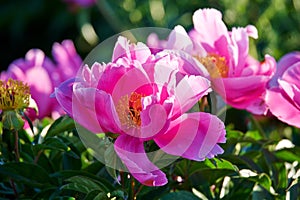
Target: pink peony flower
{"x": 236, "y": 76}
{"x": 42, "y": 75}
{"x": 283, "y": 94}
{"x": 142, "y": 97}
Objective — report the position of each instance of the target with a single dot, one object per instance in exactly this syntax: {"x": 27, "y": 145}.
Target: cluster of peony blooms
{"x": 144, "y": 93}
{"x": 147, "y": 90}
{"x": 43, "y": 75}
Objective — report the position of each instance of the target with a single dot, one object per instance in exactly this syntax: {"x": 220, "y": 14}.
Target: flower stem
{"x": 14, "y": 188}
{"x": 17, "y": 146}
{"x": 38, "y": 156}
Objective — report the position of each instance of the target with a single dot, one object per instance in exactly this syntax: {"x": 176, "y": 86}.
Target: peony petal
{"x": 194, "y": 136}
{"x": 292, "y": 92}
{"x": 132, "y": 153}
{"x": 179, "y": 40}
{"x": 64, "y": 94}
{"x": 123, "y": 49}
{"x": 129, "y": 82}
{"x": 188, "y": 92}
{"x": 239, "y": 49}
{"x": 252, "y": 31}
{"x": 95, "y": 110}
{"x": 209, "y": 21}
{"x": 282, "y": 108}
{"x": 284, "y": 63}
{"x": 292, "y": 74}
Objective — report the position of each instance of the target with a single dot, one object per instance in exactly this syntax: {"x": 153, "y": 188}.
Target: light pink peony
{"x": 236, "y": 76}
{"x": 42, "y": 75}
{"x": 283, "y": 94}
{"x": 143, "y": 97}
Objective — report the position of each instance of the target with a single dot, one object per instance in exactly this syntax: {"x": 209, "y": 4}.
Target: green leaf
{"x": 66, "y": 174}
{"x": 81, "y": 184}
{"x": 26, "y": 173}
{"x": 182, "y": 195}
{"x": 62, "y": 124}
{"x": 288, "y": 155}
{"x": 96, "y": 195}
{"x": 210, "y": 176}
{"x": 263, "y": 180}
{"x": 51, "y": 143}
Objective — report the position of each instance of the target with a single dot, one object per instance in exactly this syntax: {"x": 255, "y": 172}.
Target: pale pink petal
{"x": 194, "y": 136}
{"x": 123, "y": 49}
{"x": 239, "y": 49}
{"x": 179, "y": 40}
{"x": 252, "y": 31}
{"x": 210, "y": 21}
{"x": 140, "y": 52}
{"x": 189, "y": 91}
{"x": 132, "y": 153}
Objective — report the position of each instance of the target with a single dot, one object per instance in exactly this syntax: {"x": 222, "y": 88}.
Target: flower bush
{"x": 206, "y": 110}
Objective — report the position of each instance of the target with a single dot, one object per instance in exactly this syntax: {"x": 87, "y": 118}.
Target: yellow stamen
{"x": 216, "y": 65}
{"x": 14, "y": 95}
{"x": 129, "y": 109}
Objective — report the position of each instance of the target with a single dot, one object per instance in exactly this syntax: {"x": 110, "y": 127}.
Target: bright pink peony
{"x": 283, "y": 94}
{"x": 142, "y": 97}
{"x": 42, "y": 75}
{"x": 236, "y": 76}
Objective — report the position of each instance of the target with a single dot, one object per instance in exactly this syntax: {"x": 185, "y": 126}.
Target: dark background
{"x": 26, "y": 24}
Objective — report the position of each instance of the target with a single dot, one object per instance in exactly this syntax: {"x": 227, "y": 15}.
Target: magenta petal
{"x": 64, "y": 94}
{"x": 194, "y": 136}
{"x": 154, "y": 121}
{"x": 292, "y": 74}
{"x": 132, "y": 153}
{"x": 284, "y": 63}
{"x": 95, "y": 110}
{"x": 282, "y": 108}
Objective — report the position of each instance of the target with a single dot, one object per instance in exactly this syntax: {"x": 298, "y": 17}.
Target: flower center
{"x": 129, "y": 108}
{"x": 14, "y": 95}
{"x": 215, "y": 65}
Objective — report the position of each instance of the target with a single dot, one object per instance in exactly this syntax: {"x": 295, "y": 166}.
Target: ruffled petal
{"x": 284, "y": 63}
{"x": 123, "y": 49}
{"x": 194, "y": 136}
{"x": 188, "y": 92}
{"x": 132, "y": 153}
{"x": 179, "y": 40}
{"x": 94, "y": 109}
